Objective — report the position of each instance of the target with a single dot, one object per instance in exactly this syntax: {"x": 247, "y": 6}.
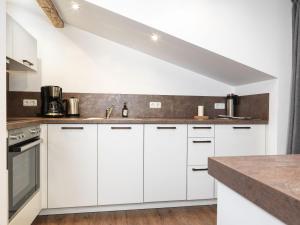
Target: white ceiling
{"x": 125, "y": 31}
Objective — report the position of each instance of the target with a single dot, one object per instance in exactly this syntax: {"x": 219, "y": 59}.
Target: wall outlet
{"x": 155, "y": 105}
{"x": 29, "y": 102}
{"x": 219, "y": 105}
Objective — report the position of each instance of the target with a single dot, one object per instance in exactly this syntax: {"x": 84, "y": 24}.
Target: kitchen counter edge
{"x": 280, "y": 199}
{"x": 15, "y": 123}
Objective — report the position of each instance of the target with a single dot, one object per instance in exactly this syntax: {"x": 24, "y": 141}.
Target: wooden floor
{"x": 198, "y": 215}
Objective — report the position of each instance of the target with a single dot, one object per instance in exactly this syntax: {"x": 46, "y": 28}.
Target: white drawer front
{"x": 200, "y": 184}
{"x": 199, "y": 149}
{"x": 196, "y": 130}
{"x": 240, "y": 140}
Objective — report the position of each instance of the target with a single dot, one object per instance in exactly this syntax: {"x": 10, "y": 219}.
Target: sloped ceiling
{"x": 133, "y": 34}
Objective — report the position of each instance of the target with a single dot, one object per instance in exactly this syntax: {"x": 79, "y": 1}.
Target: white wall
{"x": 3, "y": 171}
{"x": 82, "y": 62}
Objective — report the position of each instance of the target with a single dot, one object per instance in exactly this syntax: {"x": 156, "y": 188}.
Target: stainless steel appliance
{"x": 23, "y": 161}
{"x": 231, "y": 102}
{"x": 72, "y": 107}
{"x": 52, "y": 104}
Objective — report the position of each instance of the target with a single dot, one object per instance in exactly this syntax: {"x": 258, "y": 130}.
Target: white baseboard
{"x": 127, "y": 207}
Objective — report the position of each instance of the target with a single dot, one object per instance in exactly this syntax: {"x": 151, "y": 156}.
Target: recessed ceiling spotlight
{"x": 154, "y": 37}
{"x": 75, "y": 6}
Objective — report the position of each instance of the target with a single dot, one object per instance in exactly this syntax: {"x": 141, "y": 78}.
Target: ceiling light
{"x": 75, "y": 6}
{"x": 154, "y": 37}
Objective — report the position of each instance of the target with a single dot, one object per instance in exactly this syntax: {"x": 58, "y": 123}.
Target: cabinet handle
{"x": 201, "y": 128}
{"x": 197, "y": 142}
{"x": 166, "y": 128}
{"x": 28, "y": 62}
{"x": 72, "y": 128}
{"x": 194, "y": 169}
{"x": 241, "y": 127}
{"x": 121, "y": 128}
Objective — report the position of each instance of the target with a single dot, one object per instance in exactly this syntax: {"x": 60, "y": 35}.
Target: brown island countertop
{"x": 14, "y": 123}
{"x": 271, "y": 182}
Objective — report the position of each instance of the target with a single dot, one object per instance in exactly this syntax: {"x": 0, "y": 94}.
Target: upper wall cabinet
{"x": 21, "y": 47}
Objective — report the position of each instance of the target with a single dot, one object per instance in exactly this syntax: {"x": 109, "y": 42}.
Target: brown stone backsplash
{"x": 94, "y": 105}
{"x": 256, "y": 106}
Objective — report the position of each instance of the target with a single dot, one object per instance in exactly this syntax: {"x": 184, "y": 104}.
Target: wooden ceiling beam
{"x": 50, "y": 10}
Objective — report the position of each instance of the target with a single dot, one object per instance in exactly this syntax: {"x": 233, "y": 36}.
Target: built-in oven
{"x": 23, "y": 161}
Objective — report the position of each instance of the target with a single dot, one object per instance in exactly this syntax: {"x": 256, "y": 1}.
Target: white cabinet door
{"x": 21, "y": 47}
{"x": 72, "y": 165}
{"x": 240, "y": 140}
{"x": 199, "y": 149}
{"x": 165, "y": 151}
{"x": 200, "y": 183}
{"x": 24, "y": 47}
{"x": 120, "y": 164}
{"x": 9, "y": 37}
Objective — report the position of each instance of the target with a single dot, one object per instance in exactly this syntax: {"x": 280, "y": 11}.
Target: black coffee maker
{"x": 52, "y": 103}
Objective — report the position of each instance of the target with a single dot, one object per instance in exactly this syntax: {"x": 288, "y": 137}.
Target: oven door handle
{"x": 28, "y": 146}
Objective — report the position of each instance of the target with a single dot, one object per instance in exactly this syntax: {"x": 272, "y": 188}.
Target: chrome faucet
{"x": 109, "y": 111}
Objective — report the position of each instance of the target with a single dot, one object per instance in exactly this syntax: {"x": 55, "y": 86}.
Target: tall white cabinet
{"x": 72, "y": 165}
{"x": 120, "y": 167}
{"x": 165, "y": 158}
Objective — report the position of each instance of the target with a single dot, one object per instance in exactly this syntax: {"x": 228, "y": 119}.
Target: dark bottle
{"x": 125, "y": 110}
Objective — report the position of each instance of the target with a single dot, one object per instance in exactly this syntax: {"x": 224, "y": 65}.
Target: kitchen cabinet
{"x": 120, "y": 164}
{"x": 72, "y": 165}
{"x": 9, "y": 37}
{"x": 240, "y": 140}
{"x": 21, "y": 47}
{"x": 199, "y": 149}
{"x": 200, "y": 183}
{"x": 201, "y": 145}
{"x": 203, "y": 130}
{"x": 114, "y": 164}
{"x": 165, "y": 157}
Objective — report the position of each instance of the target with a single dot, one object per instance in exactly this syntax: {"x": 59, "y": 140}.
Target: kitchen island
{"x": 262, "y": 190}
